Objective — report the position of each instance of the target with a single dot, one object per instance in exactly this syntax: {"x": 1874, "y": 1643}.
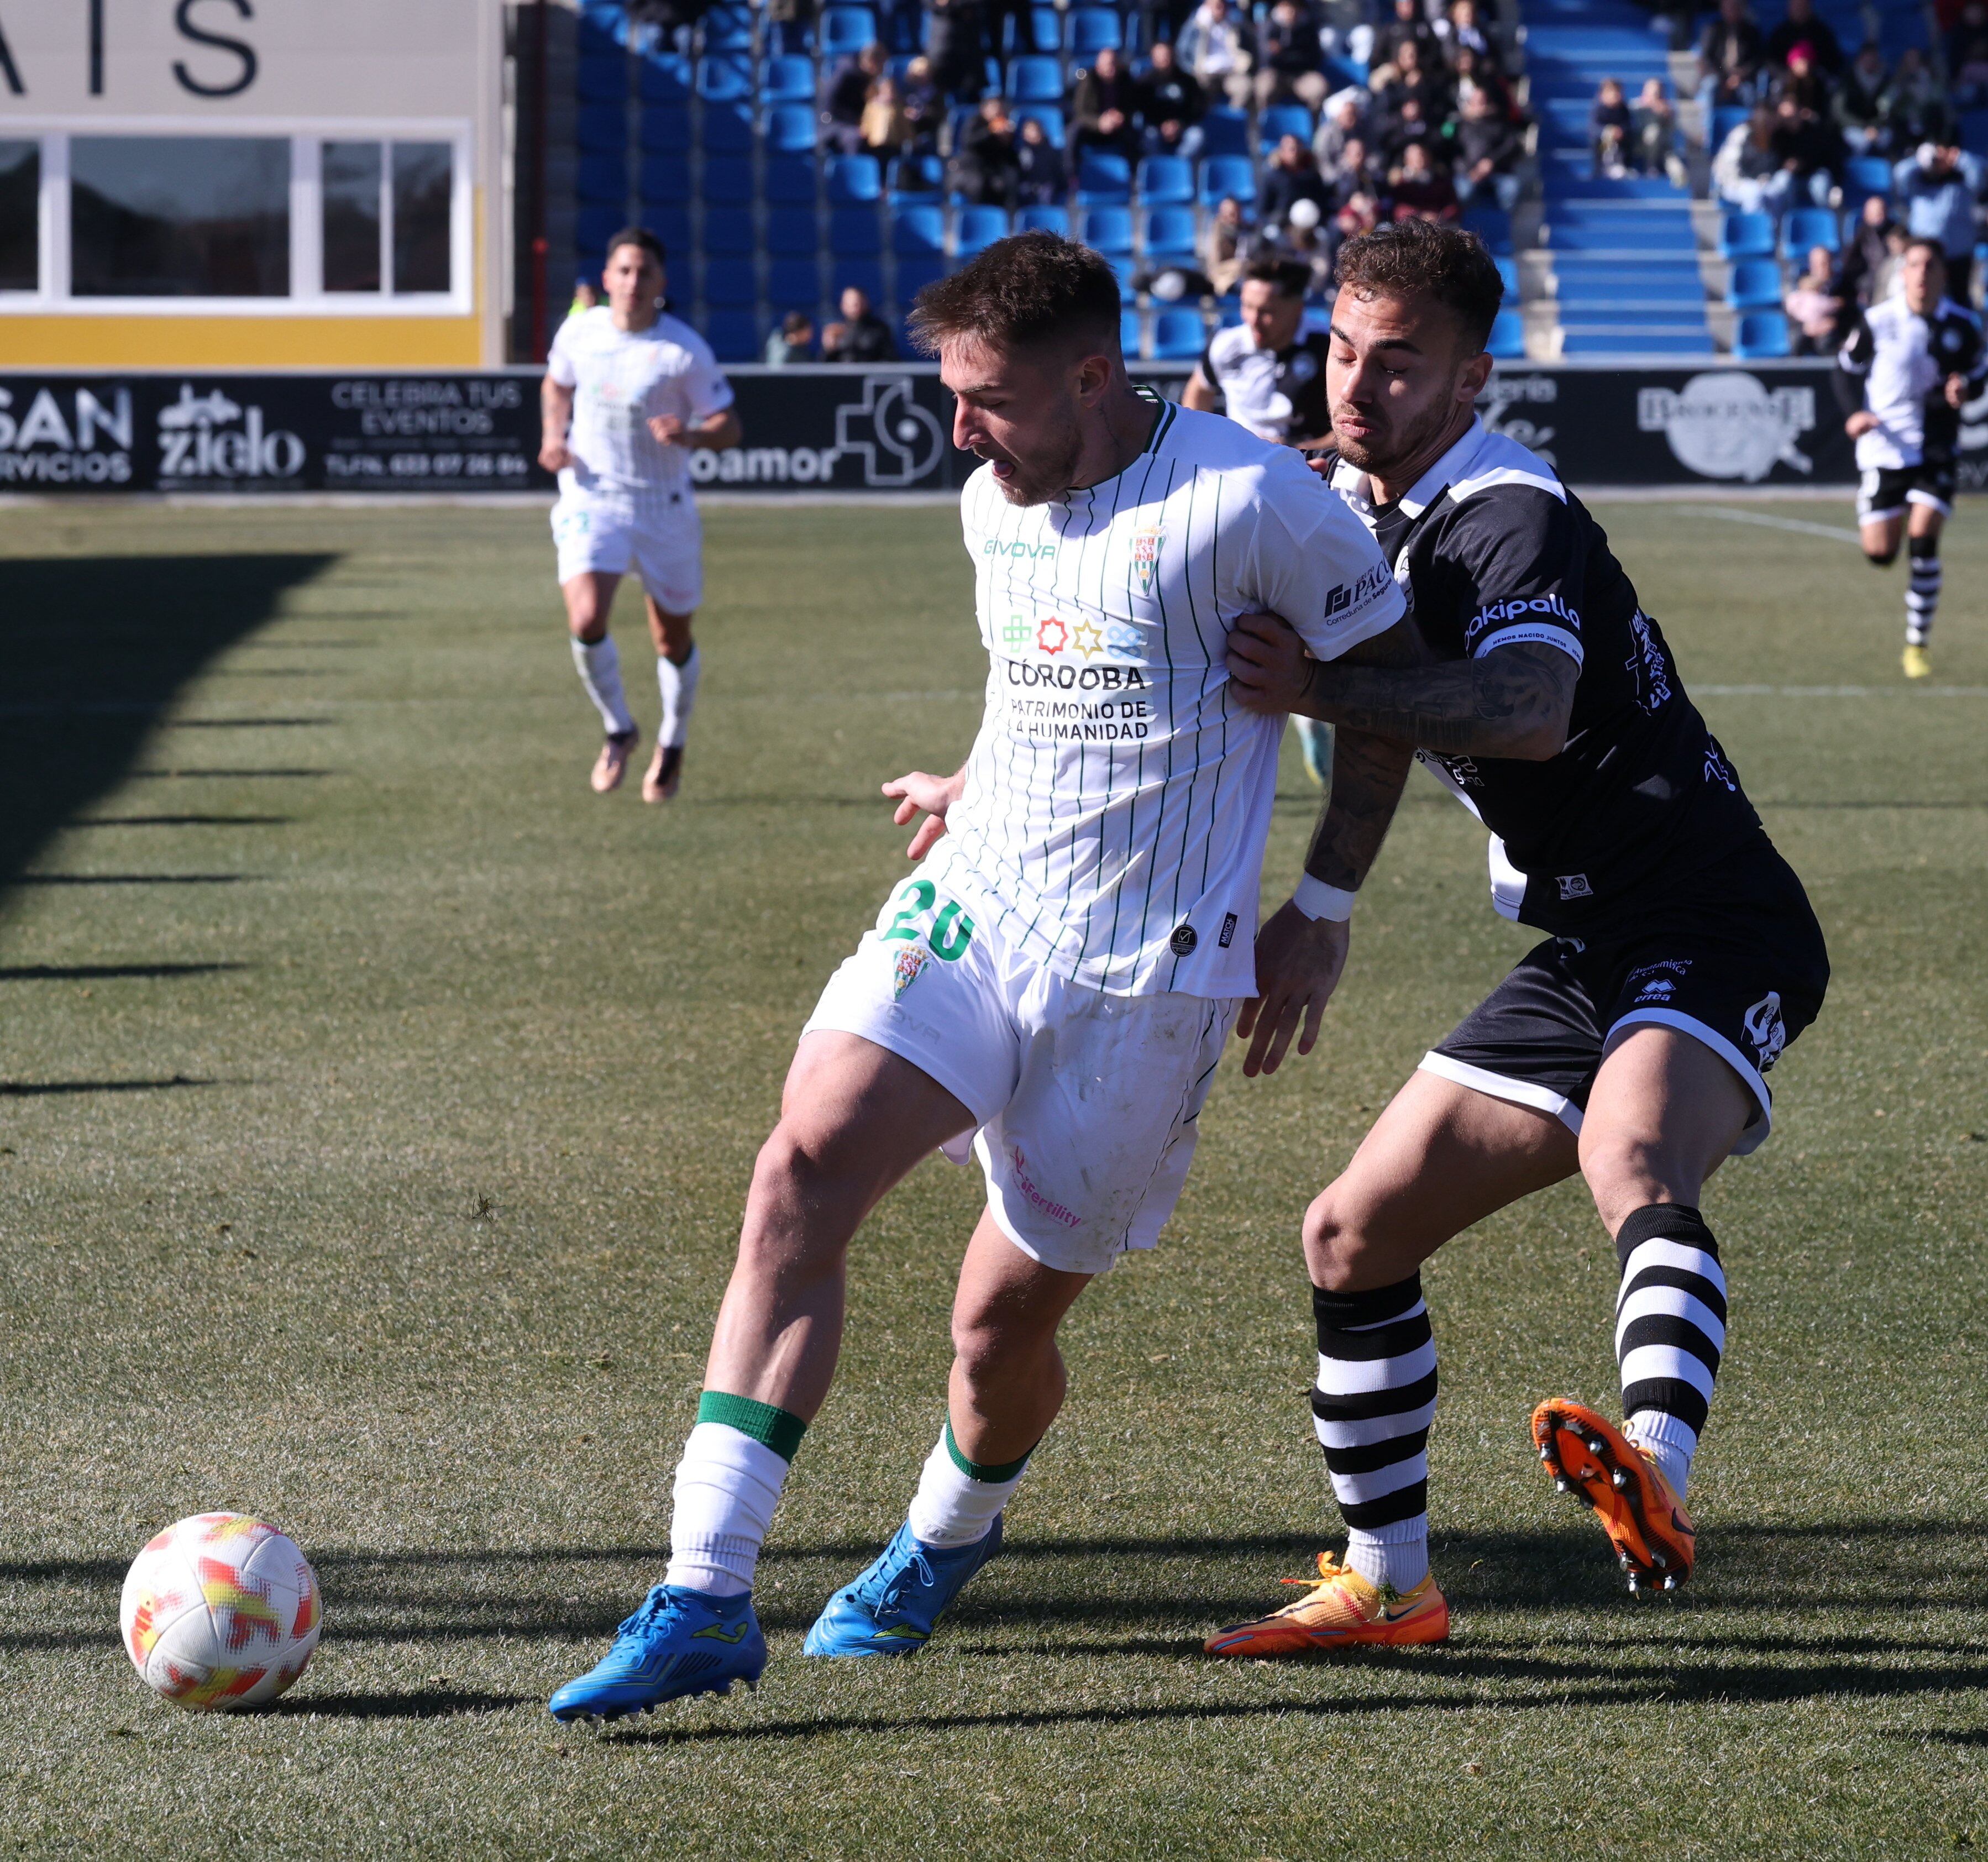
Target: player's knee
{"x": 586, "y": 623}
{"x": 1338, "y": 1239}
{"x": 1627, "y": 1170}
{"x": 1881, "y": 558}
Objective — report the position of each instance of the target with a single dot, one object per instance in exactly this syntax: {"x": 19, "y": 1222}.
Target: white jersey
{"x": 1117, "y": 799}
{"x": 1904, "y": 360}
{"x": 621, "y": 380}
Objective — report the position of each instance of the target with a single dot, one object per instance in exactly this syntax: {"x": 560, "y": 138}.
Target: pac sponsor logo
{"x": 1346, "y": 594}
{"x": 65, "y": 436}
{"x": 1731, "y": 424}
{"x": 199, "y": 439}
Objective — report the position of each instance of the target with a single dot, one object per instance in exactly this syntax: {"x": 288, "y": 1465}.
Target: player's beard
{"x": 1047, "y": 473}
{"x": 1391, "y": 445}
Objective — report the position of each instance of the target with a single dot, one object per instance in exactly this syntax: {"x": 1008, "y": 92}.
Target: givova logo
{"x": 198, "y": 438}
{"x": 71, "y": 437}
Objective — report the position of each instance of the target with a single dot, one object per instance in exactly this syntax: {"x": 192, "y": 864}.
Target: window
{"x": 377, "y": 195}
{"x": 180, "y": 216}
{"x": 20, "y": 215}
{"x": 422, "y": 184}
{"x": 351, "y": 188}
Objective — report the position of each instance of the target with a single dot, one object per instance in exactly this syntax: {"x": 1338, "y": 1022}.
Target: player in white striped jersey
{"x": 1051, "y": 990}
{"x": 629, "y": 393}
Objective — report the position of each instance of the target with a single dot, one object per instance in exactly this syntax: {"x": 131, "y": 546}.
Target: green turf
{"x": 458, "y": 1072}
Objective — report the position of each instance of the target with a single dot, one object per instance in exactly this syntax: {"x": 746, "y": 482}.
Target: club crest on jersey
{"x": 1146, "y": 556}
{"x": 907, "y": 967}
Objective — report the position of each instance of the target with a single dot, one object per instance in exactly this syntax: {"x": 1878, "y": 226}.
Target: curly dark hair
{"x": 1285, "y": 275}
{"x": 1422, "y": 257}
{"x": 1023, "y": 291}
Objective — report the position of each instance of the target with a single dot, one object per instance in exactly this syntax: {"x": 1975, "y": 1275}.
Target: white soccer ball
{"x": 219, "y": 1611}
{"x": 1304, "y": 215}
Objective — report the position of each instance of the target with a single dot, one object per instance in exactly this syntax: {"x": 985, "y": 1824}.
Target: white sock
{"x": 951, "y": 1509}
{"x": 679, "y": 688}
{"x": 727, "y": 1486}
{"x": 600, "y": 669}
{"x": 1396, "y": 1555}
{"x": 1667, "y": 1441}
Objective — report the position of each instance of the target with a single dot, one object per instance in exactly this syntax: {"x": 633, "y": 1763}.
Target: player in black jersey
{"x": 1631, "y": 1045}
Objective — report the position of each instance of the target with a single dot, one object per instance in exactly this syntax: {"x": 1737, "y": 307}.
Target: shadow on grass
{"x": 102, "y": 972}
{"x": 425, "y": 1704}
{"x": 38, "y": 1089}
{"x": 185, "y": 821}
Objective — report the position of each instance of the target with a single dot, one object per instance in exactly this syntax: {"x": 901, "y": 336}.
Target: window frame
{"x": 307, "y": 296}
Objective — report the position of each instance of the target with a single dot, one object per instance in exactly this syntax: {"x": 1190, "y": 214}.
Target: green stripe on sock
{"x": 780, "y": 1430}
{"x": 982, "y": 1471}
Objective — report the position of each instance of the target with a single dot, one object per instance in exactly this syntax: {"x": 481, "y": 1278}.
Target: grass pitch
{"x": 377, "y": 1105}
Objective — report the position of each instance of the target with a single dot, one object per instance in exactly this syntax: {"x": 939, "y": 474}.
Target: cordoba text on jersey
{"x": 1076, "y": 678}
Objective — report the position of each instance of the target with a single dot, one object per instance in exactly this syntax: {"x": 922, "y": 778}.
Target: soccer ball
{"x": 219, "y": 1611}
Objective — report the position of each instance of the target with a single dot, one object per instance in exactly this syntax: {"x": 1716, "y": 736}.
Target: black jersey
{"x": 1493, "y": 551}
{"x": 1278, "y": 394}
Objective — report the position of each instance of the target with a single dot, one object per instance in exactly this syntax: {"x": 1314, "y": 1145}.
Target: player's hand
{"x": 1268, "y": 664}
{"x": 1299, "y": 960}
{"x": 554, "y": 454}
{"x": 1956, "y": 389}
{"x": 1317, "y": 462}
{"x": 666, "y": 429}
{"x": 931, "y": 794}
{"x": 1860, "y": 422}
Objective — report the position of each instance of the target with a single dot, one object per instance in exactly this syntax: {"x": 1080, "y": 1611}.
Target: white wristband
{"x": 1317, "y": 900}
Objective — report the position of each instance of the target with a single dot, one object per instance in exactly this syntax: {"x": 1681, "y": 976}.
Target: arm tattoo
{"x": 1368, "y": 774}
{"x": 1514, "y": 702}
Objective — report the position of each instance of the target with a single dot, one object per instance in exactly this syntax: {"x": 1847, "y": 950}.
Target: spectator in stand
{"x": 1967, "y": 57}
{"x": 923, "y": 104}
{"x": 1354, "y": 171}
{"x": 1290, "y": 61}
{"x": 1858, "y": 105}
{"x": 1810, "y": 151}
{"x": 1473, "y": 72}
{"x": 1407, "y": 125}
{"x": 954, "y": 43}
{"x": 1655, "y": 140}
{"x": 1610, "y": 126}
{"x": 1420, "y": 189}
{"x": 1104, "y": 105}
{"x": 1458, "y": 30}
{"x": 1217, "y": 48}
{"x": 1914, "y": 106}
{"x": 1227, "y": 246}
{"x": 1171, "y": 104}
{"x": 1803, "y": 81}
{"x": 887, "y": 128}
{"x": 1749, "y": 173}
{"x": 1042, "y": 175}
{"x": 793, "y": 342}
{"x": 1937, "y": 189}
{"x": 1487, "y": 148}
{"x": 585, "y": 294}
{"x": 1290, "y": 174}
{"x": 1359, "y": 213}
{"x": 1410, "y": 25}
{"x": 985, "y": 170}
{"x": 1814, "y": 304}
{"x": 1346, "y": 28}
{"x": 848, "y": 97}
{"x": 861, "y": 335}
{"x": 1728, "y": 60}
{"x": 1869, "y": 254}
{"x": 1343, "y": 122}
{"x": 1414, "y": 74}
{"x": 1803, "y": 26}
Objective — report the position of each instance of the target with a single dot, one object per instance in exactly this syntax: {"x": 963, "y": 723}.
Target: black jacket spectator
{"x": 1480, "y": 140}
{"x": 1804, "y": 25}
{"x": 861, "y": 335}
{"x": 1410, "y": 23}
{"x": 1169, "y": 94}
{"x": 1730, "y": 53}
{"x": 848, "y": 91}
{"x": 955, "y": 42}
{"x": 984, "y": 166}
{"x": 1291, "y": 175}
{"x": 1042, "y": 175}
{"x": 1104, "y": 104}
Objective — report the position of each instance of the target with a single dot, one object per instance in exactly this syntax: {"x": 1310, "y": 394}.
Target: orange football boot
{"x": 1590, "y": 1459}
{"x": 612, "y": 764}
{"x": 1341, "y": 1608}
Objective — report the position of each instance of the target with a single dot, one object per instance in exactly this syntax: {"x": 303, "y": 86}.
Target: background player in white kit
{"x": 630, "y": 392}
{"x": 1052, "y": 988}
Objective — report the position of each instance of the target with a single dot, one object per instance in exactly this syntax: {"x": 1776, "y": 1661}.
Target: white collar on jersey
{"x": 1478, "y": 461}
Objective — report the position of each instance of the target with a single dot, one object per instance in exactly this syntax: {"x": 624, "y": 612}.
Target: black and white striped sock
{"x": 1375, "y": 1399}
{"x": 1923, "y": 595}
{"x": 1670, "y": 1329}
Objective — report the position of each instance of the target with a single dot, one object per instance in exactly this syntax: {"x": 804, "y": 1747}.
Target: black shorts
{"x": 1733, "y": 956}
{"x": 1886, "y": 491}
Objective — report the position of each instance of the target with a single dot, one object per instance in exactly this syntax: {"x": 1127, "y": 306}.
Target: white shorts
{"x": 666, "y": 557}
{"x": 1085, "y": 1104}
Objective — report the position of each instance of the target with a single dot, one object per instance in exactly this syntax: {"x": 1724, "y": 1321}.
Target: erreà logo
{"x": 198, "y": 438}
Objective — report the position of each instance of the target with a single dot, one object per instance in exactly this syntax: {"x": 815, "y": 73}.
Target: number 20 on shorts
{"x": 951, "y": 932}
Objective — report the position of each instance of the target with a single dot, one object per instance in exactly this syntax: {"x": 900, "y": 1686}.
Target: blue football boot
{"x": 892, "y": 1608}
{"x": 680, "y": 1642}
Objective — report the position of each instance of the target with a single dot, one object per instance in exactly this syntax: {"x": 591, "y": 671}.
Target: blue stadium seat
{"x": 670, "y": 224}
{"x": 1508, "y": 337}
{"x": 918, "y": 231}
{"x": 1050, "y": 116}
{"x": 667, "y": 177}
{"x": 1166, "y": 180}
{"x": 845, "y": 29}
{"x": 786, "y": 78}
{"x": 1810, "y": 226}
{"x": 1222, "y": 175}
{"x": 1103, "y": 178}
{"x": 601, "y": 129}
{"x": 663, "y": 77}
{"x": 1124, "y": 270}
{"x": 665, "y": 128}
{"x": 1282, "y": 120}
{"x": 854, "y": 177}
{"x": 1130, "y": 333}
{"x": 915, "y": 178}
{"x": 1762, "y": 335}
{"x": 1746, "y": 235}
{"x": 793, "y": 284}
{"x": 1092, "y": 29}
{"x": 1033, "y": 78}
{"x": 1043, "y": 32}
{"x": 729, "y": 235}
{"x": 1863, "y": 176}
{"x": 1755, "y": 285}
{"x": 1042, "y": 220}
{"x": 1167, "y": 233}
{"x": 790, "y": 180}
{"x": 729, "y": 282}
{"x": 853, "y": 230}
{"x": 1508, "y": 276}
{"x": 913, "y": 274}
{"x": 1179, "y": 335}
{"x": 724, "y": 80}
{"x": 727, "y": 28}
{"x": 728, "y": 180}
{"x": 733, "y": 335}
{"x": 728, "y": 129}
{"x": 865, "y": 274}
{"x": 601, "y": 33}
{"x": 593, "y": 227}
{"x": 1106, "y": 229}
{"x": 789, "y": 231}
{"x": 1492, "y": 225}
{"x": 977, "y": 227}
{"x": 1225, "y": 132}
{"x": 1725, "y": 120}
{"x": 790, "y": 130}
{"x": 602, "y": 179}
{"x": 602, "y": 78}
